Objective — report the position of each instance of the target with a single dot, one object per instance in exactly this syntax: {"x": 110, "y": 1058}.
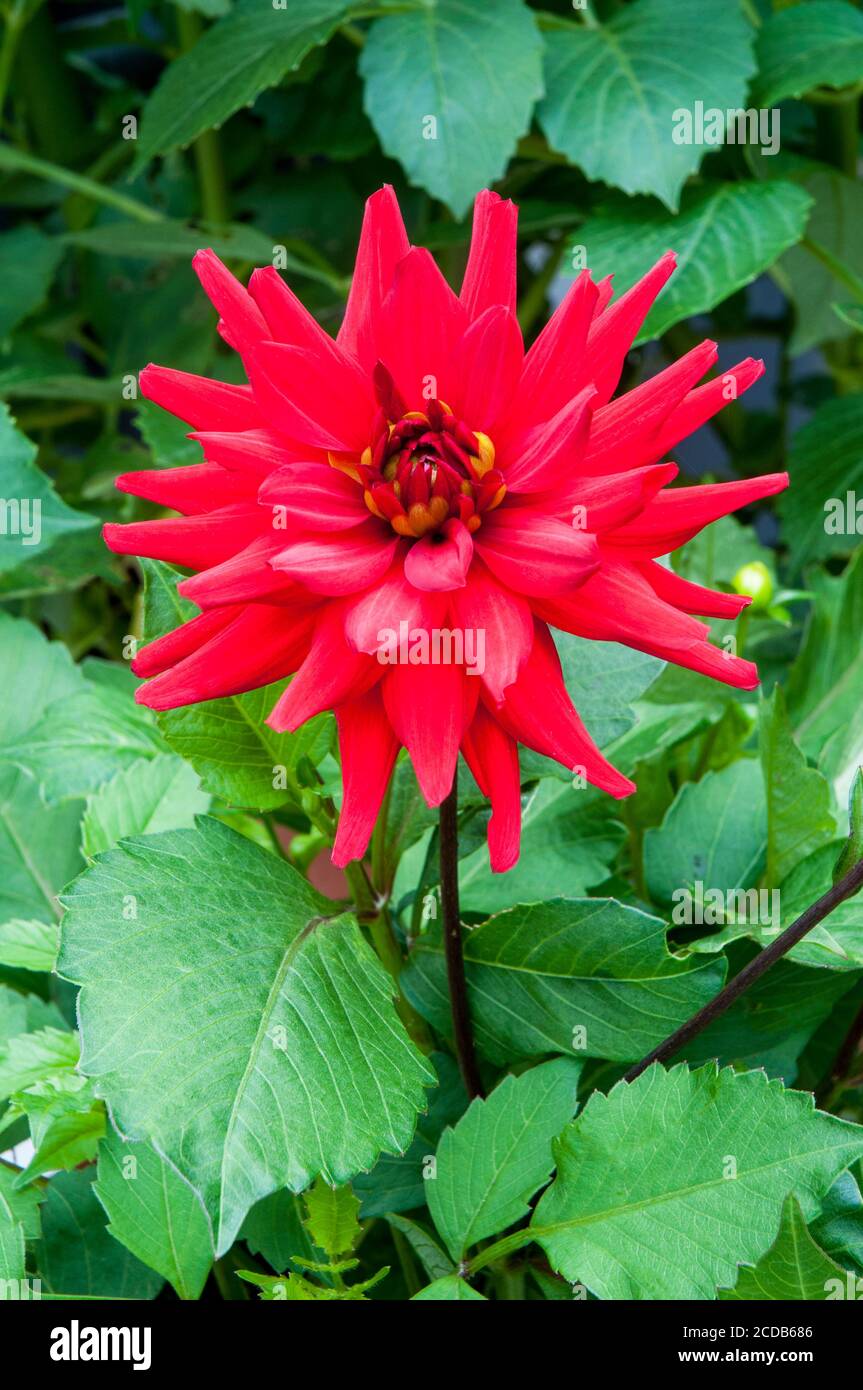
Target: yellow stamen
{"x": 485, "y": 461}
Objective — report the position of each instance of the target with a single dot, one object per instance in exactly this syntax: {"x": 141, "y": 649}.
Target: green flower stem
{"x": 460, "y": 1010}
{"x": 207, "y": 148}
{"x": 374, "y": 915}
{"x": 14, "y": 21}
{"x": 17, "y": 162}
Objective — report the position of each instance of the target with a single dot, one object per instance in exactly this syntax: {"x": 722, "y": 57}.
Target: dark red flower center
{"x": 424, "y": 467}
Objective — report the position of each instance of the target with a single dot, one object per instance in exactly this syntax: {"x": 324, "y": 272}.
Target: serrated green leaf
{"x": 799, "y": 818}
{"x": 154, "y": 1213}
{"x": 150, "y": 795}
{"x": 613, "y": 89}
{"x": 310, "y": 1028}
{"x": 236, "y": 755}
{"x": 724, "y": 236}
{"x": 667, "y": 1183}
{"x": 44, "y": 543}
{"x": 39, "y": 850}
{"x": 250, "y": 49}
{"x": 31, "y": 1057}
{"x": 274, "y": 1228}
{"x": 67, "y": 1141}
{"x": 331, "y": 1217}
{"x": 452, "y": 1289}
{"x": 434, "y": 1260}
{"x": 715, "y": 833}
{"x": 494, "y": 1159}
{"x": 808, "y": 46}
{"x": 29, "y": 945}
{"x": 589, "y": 976}
{"x": 28, "y": 260}
{"x": 819, "y": 511}
{"x": 474, "y": 72}
{"x": 77, "y": 1255}
{"x": 794, "y": 1269}
{"x": 838, "y": 1228}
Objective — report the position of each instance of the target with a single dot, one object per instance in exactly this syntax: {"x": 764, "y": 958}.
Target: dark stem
{"x": 837, "y": 1081}
{"x": 814, "y": 914}
{"x": 462, "y": 1032}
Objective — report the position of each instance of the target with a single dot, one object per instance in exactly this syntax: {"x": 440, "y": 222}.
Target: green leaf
{"x": 613, "y": 90}
{"x": 28, "y": 260}
{"x": 794, "y": 1269}
{"x": 825, "y": 682}
{"x": 160, "y": 794}
{"x": 38, "y": 848}
{"x": 838, "y": 1228}
{"x": 825, "y": 465}
{"x": 82, "y": 741}
{"x": 725, "y": 235}
{"x": 396, "y": 1182}
{"x": 251, "y": 49}
{"x": 331, "y": 1217}
{"x": 155, "y": 1213}
{"x": 808, "y": 46}
{"x": 77, "y": 1255}
{"x": 570, "y": 837}
{"x": 646, "y": 1203}
{"x": 451, "y": 1289}
{"x": 304, "y": 1063}
{"x": 44, "y": 543}
{"x": 236, "y": 755}
{"x": 799, "y": 818}
{"x": 812, "y": 285}
{"x": 499, "y": 1153}
{"x": 68, "y": 1140}
{"x": 30, "y": 1057}
{"x": 715, "y": 833}
{"x": 591, "y": 976}
{"x": 434, "y": 1260}
{"x": 19, "y": 1222}
{"x": 450, "y": 87}
{"x": 853, "y": 850}
{"x": 274, "y": 1228}
{"x": 29, "y": 945}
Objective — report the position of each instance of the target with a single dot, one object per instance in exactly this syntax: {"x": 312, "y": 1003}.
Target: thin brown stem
{"x": 845, "y": 888}
{"x": 461, "y": 1025}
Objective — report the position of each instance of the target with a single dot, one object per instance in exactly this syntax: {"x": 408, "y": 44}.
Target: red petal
{"x": 374, "y": 616}
{"x": 199, "y": 401}
{"x": 246, "y": 577}
{"x": 675, "y": 516}
{"x": 430, "y": 707}
{"x": 553, "y": 364}
{"x": 618, "y": 605}
{"x": 505, "y": 621}
{"x": 534, "y": 553}
{"x": 339, "y": 564}
{"x": 260, "y": 646}
{"x": 316, "y": 495}
{"x": 487, "y": 368}
{"x": 243, "y": 321}
{"x": 689, "y": 597}
{"x": 539, "y": 713}
{"x": 420, "y": 328}
{"x": 368, "y": 748}
{"x": 200, "y": 487}
{"x": 318, "y": 400}
{"x": 331, "y": 673}
{"x": 383, "y": 243}
{"x": 440, "y": 562}
{"x": 704, "y": 402}
{"x": 287, "y": 318}
{"x": 624, "y": 433}
{"x": 492, "y": 757}
{"x": 547, "y": 455}
{"x": 614, "y": 331}
{"x": 490, "y": 277}
{"x": 175, "y": 646}
{"x": 256, "y": 452}
{"x": 610, "y": 501}
{"x": 196, "y": 542}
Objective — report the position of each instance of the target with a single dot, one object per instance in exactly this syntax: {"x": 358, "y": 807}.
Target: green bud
{"x": 755, "y": 580}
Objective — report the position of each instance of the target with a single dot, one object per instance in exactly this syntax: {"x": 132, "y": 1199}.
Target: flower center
{"x": 423, "y": 467}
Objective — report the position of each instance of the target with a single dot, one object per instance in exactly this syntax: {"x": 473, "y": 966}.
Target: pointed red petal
{"x": 492, "y": 757}
{"x": 368, "y": 749}
{"x": 383, "y": 243}
{"x": 200, "y": 402}
{"x": 491, "y": 267}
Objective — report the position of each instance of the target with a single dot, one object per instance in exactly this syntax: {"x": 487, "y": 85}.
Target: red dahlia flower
{"x": 424, "y": 470}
